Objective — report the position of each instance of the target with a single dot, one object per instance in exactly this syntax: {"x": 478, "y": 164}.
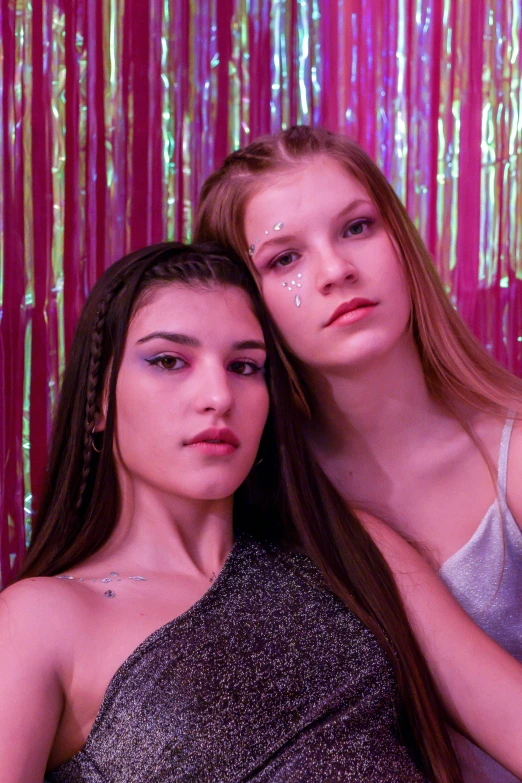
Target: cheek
{"x": 402, "y": 293}
{"x": 145, "y": 417}
{"x": 256, "y": 413}
{"x": 287, "y": 305}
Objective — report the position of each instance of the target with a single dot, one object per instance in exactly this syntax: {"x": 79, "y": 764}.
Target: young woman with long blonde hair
{"x": 406, "y": 412}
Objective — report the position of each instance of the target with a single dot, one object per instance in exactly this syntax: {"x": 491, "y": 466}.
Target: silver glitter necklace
{"x": 113, "y": 577}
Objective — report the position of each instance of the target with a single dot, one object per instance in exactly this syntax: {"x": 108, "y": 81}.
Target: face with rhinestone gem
{"x": 352, "y": 287}
{"x": 191, "y": 397}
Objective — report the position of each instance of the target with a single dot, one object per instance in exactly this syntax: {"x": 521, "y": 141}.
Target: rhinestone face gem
{"x": 299, "y": 275}
{"x": 278, "y": 226}
{"x": 64, "y": 576}
{"x": 106, "y": 579}
{"x": 251, "y": 250}
{"x": 113, "y": 573}
{"x": 138, "y": 578}
{"x": 285, "y": 284}
{"x": 297, "y": 300}
{"x": 109, "y": 594}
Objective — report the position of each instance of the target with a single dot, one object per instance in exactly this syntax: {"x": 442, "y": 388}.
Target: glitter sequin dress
{"x": 485, "y": 576}
{"x": 267, "y": 679}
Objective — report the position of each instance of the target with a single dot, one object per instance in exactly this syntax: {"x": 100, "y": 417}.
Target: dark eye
{"x": 167, "y": 362}
{"x": 242, "y": 367}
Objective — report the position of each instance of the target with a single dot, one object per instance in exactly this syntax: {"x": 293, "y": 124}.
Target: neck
{"x": 383, "y": 405}
{"x": 159, "y": 533}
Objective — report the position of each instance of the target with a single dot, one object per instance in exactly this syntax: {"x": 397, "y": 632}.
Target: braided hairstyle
{"x": 81, "y": 498}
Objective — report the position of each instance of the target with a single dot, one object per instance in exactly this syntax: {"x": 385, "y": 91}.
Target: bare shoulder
{"x": 514, "y": 474}
{"x": 38, "y": 609}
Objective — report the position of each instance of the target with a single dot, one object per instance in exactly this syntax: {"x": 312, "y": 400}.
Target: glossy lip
{"x": 219, "y": 437}
{"x": 348, "y": 307}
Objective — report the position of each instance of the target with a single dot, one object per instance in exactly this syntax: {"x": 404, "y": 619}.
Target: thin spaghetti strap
{"x": 503, "y": 455}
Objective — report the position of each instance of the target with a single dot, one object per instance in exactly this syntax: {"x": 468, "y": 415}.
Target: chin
{"x": 357, "y": 357}
{"x": 211, "y": 490}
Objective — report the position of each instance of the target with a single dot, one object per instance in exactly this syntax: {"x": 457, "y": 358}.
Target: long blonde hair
{"x": 456, "y": 366}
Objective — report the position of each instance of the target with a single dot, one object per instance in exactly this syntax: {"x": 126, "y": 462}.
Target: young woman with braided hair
{"x": 164, "y": 500}
{"x": 410, "y": 415}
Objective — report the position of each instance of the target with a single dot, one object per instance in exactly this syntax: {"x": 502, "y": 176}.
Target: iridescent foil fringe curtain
{"x": 114, "y": 111}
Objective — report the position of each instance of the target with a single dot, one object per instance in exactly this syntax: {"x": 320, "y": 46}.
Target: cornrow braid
{"x": 93, "y": 387}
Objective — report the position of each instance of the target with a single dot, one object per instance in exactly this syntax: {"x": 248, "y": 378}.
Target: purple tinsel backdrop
{"x": 114, "y": 111}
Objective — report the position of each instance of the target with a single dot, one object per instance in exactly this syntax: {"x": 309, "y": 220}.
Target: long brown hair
{"x": 81, "y": 498}
{"x": 287, "y": 499}
{"x": 456, "y": 366}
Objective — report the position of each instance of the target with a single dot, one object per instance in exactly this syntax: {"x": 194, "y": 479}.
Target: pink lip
{"x": 357, "y": 307}
{"x": 214, "y": 441}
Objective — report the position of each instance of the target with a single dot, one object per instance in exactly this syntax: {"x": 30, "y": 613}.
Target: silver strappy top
{"x": 485, "y": 576}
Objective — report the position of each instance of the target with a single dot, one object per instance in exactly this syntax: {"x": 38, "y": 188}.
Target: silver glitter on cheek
{"x": 278, "y": 226}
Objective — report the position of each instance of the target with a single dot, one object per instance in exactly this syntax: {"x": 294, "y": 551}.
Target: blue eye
{"x": 285, "y": 259}
{"x": 358, "y": 227}
{"x": 243, "y": 367}
{"x": 167, "y": 362}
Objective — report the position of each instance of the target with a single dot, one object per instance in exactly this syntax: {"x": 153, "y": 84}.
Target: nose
{"x": 334, "y": 268}
{"x": 214, "y": 393}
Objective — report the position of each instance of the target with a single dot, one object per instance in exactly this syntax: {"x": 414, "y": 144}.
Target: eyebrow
{"x": 283, "y": 240}
{"x": 185, "y": 339}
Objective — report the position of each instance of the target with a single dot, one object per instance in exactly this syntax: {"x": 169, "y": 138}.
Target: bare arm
{"x": 481, "y": 684}
{"x": 31, "y": 701}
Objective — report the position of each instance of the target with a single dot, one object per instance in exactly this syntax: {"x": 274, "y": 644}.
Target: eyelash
{"x": 255, "y": 368}
{"x": 368, "y": 222}
{"x": 156, "y": 362}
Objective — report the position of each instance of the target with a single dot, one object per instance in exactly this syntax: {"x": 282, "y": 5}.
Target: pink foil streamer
{"x": 115, "y": 111}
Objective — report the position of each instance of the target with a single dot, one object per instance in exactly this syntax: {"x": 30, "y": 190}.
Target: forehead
{"x": 203, "y": 310}
{"x": 319, "y": 182}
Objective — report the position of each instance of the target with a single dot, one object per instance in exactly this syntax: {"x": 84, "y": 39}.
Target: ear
{"x": 99, "y": 422}
{"x": 100, "y": 418}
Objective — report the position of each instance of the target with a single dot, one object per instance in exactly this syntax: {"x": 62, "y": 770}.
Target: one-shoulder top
{"x": 269, "y": 678}
{"x": 485, "y": 576}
